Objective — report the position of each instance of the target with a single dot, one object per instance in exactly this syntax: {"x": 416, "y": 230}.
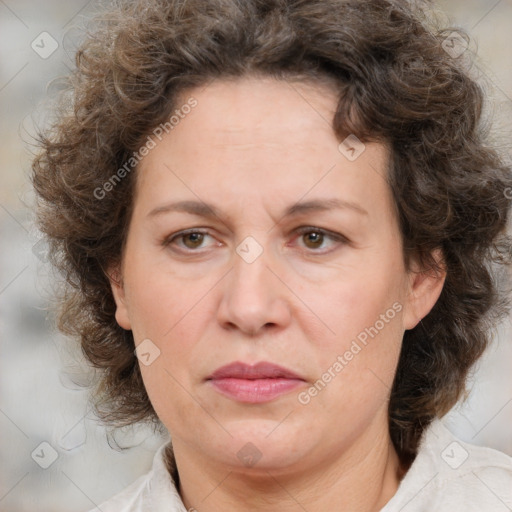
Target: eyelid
{"x": 331, "y": 234}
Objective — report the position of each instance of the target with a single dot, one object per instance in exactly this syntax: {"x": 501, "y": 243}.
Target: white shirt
{"x": 447, "y": 475}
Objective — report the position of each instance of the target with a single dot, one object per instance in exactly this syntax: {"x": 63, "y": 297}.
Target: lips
{"x": 257, "y": 383}
{"x": 261, "y": 370}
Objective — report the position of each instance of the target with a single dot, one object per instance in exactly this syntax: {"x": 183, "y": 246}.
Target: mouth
{"x": 257, "y": 383}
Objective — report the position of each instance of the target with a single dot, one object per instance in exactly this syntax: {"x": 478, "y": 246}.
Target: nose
{"x": 254, "y": 299}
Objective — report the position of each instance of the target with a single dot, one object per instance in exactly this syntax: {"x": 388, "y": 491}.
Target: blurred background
{"x": 54, "y": 456}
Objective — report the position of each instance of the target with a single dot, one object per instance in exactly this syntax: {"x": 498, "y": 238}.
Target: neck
{"x": 348, "y": 482}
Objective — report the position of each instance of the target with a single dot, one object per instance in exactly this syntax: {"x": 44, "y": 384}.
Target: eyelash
{"x": 336, "y": 237}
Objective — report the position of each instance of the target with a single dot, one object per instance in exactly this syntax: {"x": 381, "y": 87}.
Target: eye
{"x": 317, "y": 238}
{"x": 193, "y": 240}
{"x": 313, "y": 239}
{"x": 188, "y": 240}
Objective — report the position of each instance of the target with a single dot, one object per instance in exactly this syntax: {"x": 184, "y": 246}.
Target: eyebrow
{"x": 203, "y": 209}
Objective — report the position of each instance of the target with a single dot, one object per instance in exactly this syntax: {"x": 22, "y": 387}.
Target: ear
{"x": 116, "y": 283}
{"x": 425, "y": 287}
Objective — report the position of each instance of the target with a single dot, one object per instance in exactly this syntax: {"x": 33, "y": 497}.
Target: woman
{"x": 277, "y": 220}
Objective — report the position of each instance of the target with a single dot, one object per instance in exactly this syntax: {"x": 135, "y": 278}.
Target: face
{"x": 257, "y": 241}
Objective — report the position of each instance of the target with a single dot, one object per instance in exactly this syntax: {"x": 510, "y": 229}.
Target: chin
{"x": 262, "y": 445}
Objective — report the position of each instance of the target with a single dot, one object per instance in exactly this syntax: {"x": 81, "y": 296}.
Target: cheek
{"x": 174, "y": 313}
{"x": 159, "y": 299}
{"x": 364, "y": 316}
{"x": 359, "y": 299}
{"x": 358, "y": 367}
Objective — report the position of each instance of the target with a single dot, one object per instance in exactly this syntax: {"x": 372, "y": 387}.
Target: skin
{"x": 252, "y": 148}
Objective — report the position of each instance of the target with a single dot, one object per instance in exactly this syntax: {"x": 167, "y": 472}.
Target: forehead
{"x": 261, "y": 110}
{"x": 254, "y": 136}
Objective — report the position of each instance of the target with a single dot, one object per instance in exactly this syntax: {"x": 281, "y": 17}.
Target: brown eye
{"x": 187, "y": 241}
{"x": 193, "y": 240}
{"x": 313, "y": 239}
{"x": 318, "y": 241}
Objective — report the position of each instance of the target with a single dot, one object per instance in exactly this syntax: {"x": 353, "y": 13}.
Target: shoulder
{"x": 154, "y": 491}
{"x": 450, "y": 475}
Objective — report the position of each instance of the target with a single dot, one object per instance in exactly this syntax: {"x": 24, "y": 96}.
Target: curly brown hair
{"x": 396, "y": 84}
